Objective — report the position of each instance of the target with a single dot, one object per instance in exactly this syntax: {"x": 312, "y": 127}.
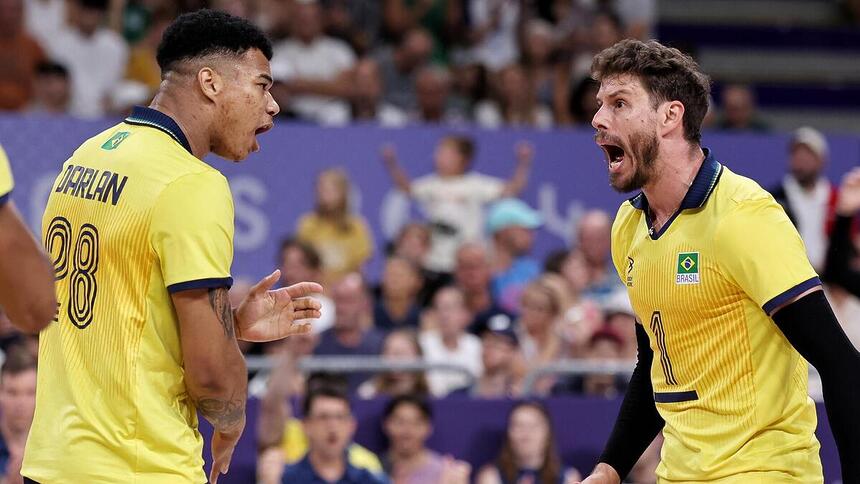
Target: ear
{"x": 210, "y": 82}
{"x": 671, "y": 117}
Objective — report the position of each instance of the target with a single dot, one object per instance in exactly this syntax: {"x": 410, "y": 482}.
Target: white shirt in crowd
{"x": 455, "y": 208}
{"x": 96, "y": 65}
{"x": 499, "y": 47}
{"x": 467, "y": 354}
{"x": 810, "y": 211}
{"x": 488, "y": 114}
{"x": 44, "y": 18}
{"x": 323, "y": 59}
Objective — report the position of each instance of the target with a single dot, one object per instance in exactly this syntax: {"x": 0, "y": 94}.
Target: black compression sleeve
{"x": 840, "y": 250}
{"x": 811, "y": 327}
{"x": 638, "y": 421}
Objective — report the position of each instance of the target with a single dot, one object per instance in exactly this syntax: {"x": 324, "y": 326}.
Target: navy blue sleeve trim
{"x": 212, "y": 283}
{"x": 4, "y": 198}
{"x": 790, "y": 294}
{"x": 675, "y": 397}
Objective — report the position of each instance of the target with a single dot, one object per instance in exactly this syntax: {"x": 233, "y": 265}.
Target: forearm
{"x": 518, "y": 181}
{"x": 274, "y": 408}
{"x": 638, "y": 420}
{"x": 811, "y": 327}
{"x": 840, "y": 250}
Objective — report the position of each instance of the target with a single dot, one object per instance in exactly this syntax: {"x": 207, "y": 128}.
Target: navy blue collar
{"x": 700, "y": 190}
{"x": 143, "y": 116}
{"x": 352, "y": 473}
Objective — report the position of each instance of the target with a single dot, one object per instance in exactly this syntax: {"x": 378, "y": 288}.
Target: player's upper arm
{"x": 191, "y": 232}
{"x": 761, "y": 252}
{"x": 26, "y": 275}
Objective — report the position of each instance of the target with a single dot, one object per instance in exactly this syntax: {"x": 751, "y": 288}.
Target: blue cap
{"x": 512, "y": 212}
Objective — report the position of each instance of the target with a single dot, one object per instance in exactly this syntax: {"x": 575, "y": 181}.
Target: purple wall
{"x": 273, "y": 187}
{"x": 473, "y": 430}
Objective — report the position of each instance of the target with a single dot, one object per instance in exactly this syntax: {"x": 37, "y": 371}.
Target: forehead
{"x": 612, "y": 85}
{"x": 254, "y": 63}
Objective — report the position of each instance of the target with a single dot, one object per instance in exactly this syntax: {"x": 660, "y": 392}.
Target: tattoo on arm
{"x": 223, "y": 414}
{"x": 220, "y": 302}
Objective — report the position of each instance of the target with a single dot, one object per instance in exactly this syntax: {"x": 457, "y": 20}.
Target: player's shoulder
{"x": 627, "y": 216}
{"x": 739, "y": 191}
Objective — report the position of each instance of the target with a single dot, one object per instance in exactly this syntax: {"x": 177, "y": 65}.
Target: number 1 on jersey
{"x": 660, "y": 337}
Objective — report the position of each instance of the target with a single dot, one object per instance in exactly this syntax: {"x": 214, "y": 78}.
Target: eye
{"x": 619, "y": 104}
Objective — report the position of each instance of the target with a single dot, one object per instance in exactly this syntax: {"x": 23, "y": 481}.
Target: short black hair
{"x": 50, "y": 68}
{"x": 206, "y": 32}
{"x": 418, "y": 402}
{"x": 323, "y": 392}
{"x": 19, "y": 359}
{"x": 312, "y": 257}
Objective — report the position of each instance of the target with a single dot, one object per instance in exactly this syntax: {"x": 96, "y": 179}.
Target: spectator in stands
{"x": 449, "y": 342}
{"x": 493, "y": 35}
{"x": 340, "y": 236}
{"x": 639, "y": 17}
{"x": 593, "y": 236}
{"x": 51, "y": 90}
{"x": 432, "y": 93}
{"x": 842, "y": 268}
{"x": 351, "y": 333}
{"x": 453, "y": 197}
{"x": 20, "y": 54}
{"x": 367, "y": 102}
{"x": 400, "y": 345}
{"x": 512, "y": 224}
{"x": 408, "y": 423}
{"x": 501, "y": 360}
{"x": 435, "y": 16}
{"x": 356, "y": 22}
{"x": 739, "y": 109}
{"x": 529, "y": 452}
{"x": 583, "y": 101}
{"x": 806, "y": 194}
{"x": 314, "y": 72}
{"x": 329, "y": 425}
{"x": 471, "y": 87}
{"x": 605, "y": 346}
{"x": 142, "y": 67}
{"x": 621, "y": 320}
{"x": 606, "y": 29}
{"x": 17, "y": 403}
{"x": 473, "y": 275}
{"x": 412, "y": 243}
{"x": 298, "y": 262}
{"x": 398, "y": 67}
{"x": 95, "y": 56}
{"x": 397, "y": 306}
{"x": 582, "y": 316}
{"x": 44, "y": 18}
{"x": 538, "y": 328}
{"x": 516, "y": 103}
{"x": 546, "y": 69}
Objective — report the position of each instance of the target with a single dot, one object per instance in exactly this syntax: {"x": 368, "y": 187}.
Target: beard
{"x": 643, "y": 149}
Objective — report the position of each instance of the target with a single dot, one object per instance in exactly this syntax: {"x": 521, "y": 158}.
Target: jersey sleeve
{"x": 6, "y": 182}
{"x": 761, "y": 251}
{"x": 487, "y": 188}
{"x": 192, "y": 232}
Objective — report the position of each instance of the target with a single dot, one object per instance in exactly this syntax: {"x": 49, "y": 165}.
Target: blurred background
{"x": 433, "y": 166}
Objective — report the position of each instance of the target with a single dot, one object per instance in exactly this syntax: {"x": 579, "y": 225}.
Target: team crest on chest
{"x": 688, "y": 268}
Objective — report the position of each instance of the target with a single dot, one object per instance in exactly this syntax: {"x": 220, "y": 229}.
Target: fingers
{"x": 304, "y": 289}
{"x": 306, "y": 303}
{"x": 307, "y": 314}
{"x": 266, "y": 283}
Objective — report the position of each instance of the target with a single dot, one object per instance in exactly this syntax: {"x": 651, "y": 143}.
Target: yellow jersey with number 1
{"x": 6, "y": 183}
{"x": 732, "y": 390}
{"x": 131, "y": 218}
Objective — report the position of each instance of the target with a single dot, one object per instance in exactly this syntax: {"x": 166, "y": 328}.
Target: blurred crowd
{"x": 391, "y": 62}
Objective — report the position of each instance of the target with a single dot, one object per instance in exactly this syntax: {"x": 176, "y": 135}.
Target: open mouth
{"x": 615, "y": 155}
{"x": 263, "y": 129}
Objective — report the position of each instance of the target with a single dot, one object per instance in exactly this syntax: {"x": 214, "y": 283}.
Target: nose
{"x": 599, "y": 121}
{"x": 272, "y": 108}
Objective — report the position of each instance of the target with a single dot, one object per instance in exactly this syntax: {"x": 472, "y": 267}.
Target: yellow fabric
{"x": 753, "y": 421}
{"x": 295, "y": 446}
{"x": 6, "y": 181}
{"x": 341, "y": 251}
{"x": 111, "y": 403}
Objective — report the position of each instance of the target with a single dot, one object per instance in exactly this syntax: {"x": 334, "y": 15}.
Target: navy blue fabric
{"x": 211, "y": 283}
{"x": 303, "y": 472}
{"x": 143, "y": 116}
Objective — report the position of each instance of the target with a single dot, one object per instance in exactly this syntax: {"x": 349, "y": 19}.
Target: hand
{"x": 270, "y": 466}
{"x": 389, "y": 155}
{"x": 268, "y": 315}
{"x": 849, "y": 193}
{"x": 602, "y": 474}
{"x": 525, "y": 153}
{"x": 223, "y": 445}
{"x": 454, "y": 471}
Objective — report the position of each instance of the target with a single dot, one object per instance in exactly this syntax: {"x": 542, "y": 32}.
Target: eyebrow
{"x": 621, "y": 92}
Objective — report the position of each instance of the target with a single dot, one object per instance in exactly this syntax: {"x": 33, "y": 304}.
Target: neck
{"x": 10, "y": 434}
{"x": 187, "y": 118}
{"x": 502, "y": 258}
{"x": 675, "y": 170}
{"x": 348, "y": 336}
{"x": 478, "y": 300}
{"x": 331, "y": 468}
{"x": 531, "y": 462}
{"x": 397, "y": 305}
{"x": 451, "y": 341}
{"x": 409, "y": 458}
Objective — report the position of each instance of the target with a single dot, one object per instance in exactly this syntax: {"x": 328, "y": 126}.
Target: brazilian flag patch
{"x": 688, "y": 268}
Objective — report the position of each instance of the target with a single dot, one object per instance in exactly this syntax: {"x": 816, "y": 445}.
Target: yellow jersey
{"x": 730, "y": 387}
{"x": 6, "y": 182}
{"x": 132, "y": 217}
{"x": 341, "y": 249}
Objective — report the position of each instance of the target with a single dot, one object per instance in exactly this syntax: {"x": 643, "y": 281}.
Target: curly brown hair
{"x": 666, "y": 73}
